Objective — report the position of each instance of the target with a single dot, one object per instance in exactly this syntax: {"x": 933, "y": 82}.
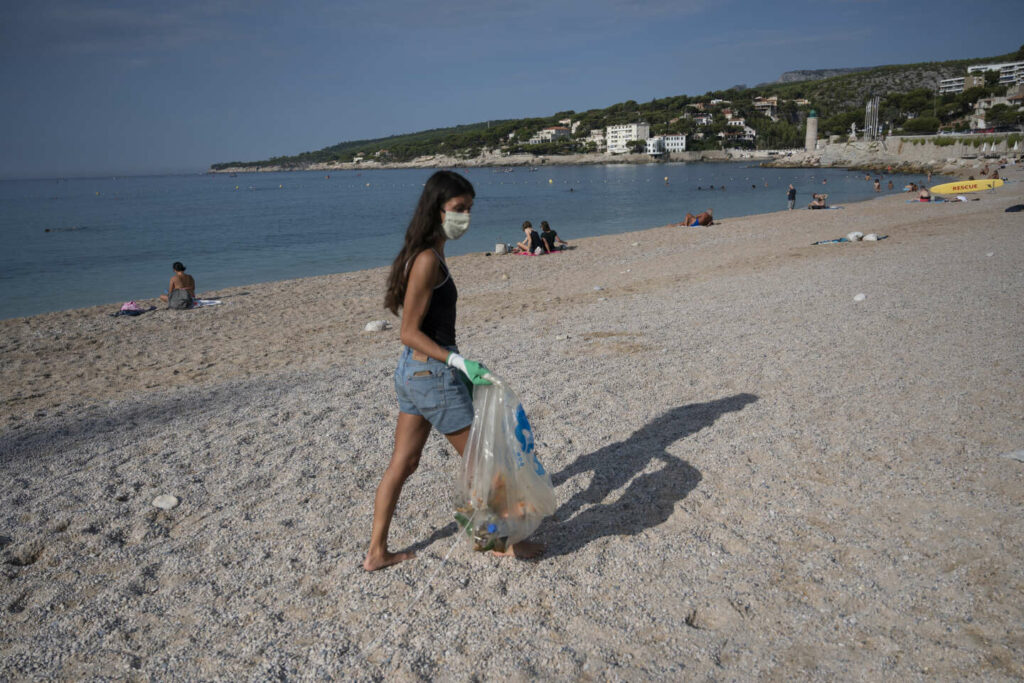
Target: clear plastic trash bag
{"x": 503, "y": 491}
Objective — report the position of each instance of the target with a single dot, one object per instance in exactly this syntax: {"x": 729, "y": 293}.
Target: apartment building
{"x": 960, "y": 83}
{"x": 981, "y": 107}
{"x": 1009, "y": 72}
{"x": 549, "y": 135}
{"x": 768, "y": 106}
{"x": 675, "y": 143}
{"x": 738, "y": 133}
{"x": 619, "y": 137}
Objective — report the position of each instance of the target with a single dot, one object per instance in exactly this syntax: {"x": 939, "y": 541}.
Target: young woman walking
{"x": 431, "y": 392}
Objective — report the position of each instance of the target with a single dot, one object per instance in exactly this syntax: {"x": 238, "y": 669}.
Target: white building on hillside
{"x": 597, "y": 137}
{"x": 735, "y": 133}
{"x": 1009, "y": 72}
{"x": 981, "y": 107}
{"x": 549, "y": 135}
{"x": 675, "y": 143}
{"x": 959, "y": 84}
{"x": 662, "y": 144}
{"x": 572, "y": 125}
{"x": 620, "y": 136}
{"x": 769, "y": 106}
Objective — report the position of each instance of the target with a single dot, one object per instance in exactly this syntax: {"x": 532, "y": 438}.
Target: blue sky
{"x": 107, "y": 87}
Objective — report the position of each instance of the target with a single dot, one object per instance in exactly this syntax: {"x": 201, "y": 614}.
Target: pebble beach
{"x": 757, "y": 476}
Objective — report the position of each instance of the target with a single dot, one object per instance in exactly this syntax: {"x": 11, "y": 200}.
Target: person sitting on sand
{"x": 532, "y": 243}
{"x": 551, "y": 238}
{"x": 184, "y": 284}
{"x": 924, "y": 195}
{"x": 818, "y": 201}
{"x": 701, "y": 219}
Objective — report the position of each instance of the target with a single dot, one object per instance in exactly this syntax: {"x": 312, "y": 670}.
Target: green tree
{"x": 1003, "y": 115}
{"x": 922, "y": 124}
{"x": 637, "y": 146}
{"x": 991, "y": 77}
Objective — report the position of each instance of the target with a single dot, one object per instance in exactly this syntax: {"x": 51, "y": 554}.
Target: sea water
{"x": 70, "y": 243}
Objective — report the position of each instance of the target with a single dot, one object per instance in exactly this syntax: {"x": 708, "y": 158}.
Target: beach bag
{"x": 179, "y": 299}
{"x": 502, "y": 491}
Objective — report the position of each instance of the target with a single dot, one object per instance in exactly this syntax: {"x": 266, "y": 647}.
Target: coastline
{"x": 757, "y": 476}
{"x": 495, "y": 160}
{"x": 913, "y": 154}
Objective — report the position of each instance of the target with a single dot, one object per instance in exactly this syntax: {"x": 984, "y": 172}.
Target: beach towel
{"x": 132, "y": 309}
{"x": 200, "y": 303}
{"x": 844, "y": 239}
{"x": 179, "y": 299}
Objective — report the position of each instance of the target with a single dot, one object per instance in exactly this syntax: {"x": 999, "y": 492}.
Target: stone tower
{"x": 811, "y": 140}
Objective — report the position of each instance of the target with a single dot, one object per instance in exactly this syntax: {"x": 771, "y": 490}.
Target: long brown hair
{"x": 423, "y": 231}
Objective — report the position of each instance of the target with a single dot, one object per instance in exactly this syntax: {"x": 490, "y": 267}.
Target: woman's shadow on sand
{"x": 649, "y": 499}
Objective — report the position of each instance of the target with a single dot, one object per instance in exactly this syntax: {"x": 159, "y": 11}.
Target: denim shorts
{"x": 432, "y": 389}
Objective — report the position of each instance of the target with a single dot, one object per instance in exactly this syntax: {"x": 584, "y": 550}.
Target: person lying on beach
{"x": 818, "y": 201}
{"x": 550, "y": 237}
{"x": 911, "y": 187}
{"x": 184, "y": 284}
{"x": 701, "y": 219}
{"x": 532, "y": 243}
{"x": 431, "y": 379}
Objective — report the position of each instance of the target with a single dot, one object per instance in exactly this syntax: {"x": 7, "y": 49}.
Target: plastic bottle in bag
{"x": 488, "y": 531}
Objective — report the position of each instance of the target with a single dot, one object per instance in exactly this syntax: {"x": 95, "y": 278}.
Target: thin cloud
{"x": 63, "y": 26}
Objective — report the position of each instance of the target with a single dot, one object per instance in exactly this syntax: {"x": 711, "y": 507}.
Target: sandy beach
{"x": 758, "y": 477}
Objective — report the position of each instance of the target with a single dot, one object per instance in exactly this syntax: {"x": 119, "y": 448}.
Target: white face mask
{"x": 455, "y": 224}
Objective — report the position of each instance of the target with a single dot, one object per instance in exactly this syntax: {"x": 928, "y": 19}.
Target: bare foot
{"x": 374, "y": 562}
{"x": 523, "y": 550}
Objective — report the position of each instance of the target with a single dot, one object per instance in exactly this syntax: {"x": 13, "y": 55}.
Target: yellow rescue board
{"x": 961, "y": 186}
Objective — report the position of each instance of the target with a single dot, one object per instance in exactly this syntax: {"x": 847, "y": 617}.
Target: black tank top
{"x": 439, "y": 322}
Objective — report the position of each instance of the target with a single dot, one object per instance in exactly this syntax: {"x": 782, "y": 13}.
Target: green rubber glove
{"x": 477, "y": 373}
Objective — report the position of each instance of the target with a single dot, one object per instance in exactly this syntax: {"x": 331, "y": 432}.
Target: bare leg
{"x": 163, "y": 297}
{"x": 688, "y": 221}
{"x": 458, "y": 440}
{"x": 411, "y": 434}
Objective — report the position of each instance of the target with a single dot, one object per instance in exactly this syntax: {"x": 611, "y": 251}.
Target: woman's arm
{"x": 418, "y": 292}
